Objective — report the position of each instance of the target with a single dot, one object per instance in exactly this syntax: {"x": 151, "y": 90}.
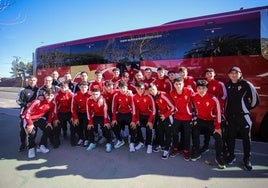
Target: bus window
{"x": 264, "y": 33}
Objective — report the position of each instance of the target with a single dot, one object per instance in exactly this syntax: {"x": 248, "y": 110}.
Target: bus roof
{"x": 189, "y": 22}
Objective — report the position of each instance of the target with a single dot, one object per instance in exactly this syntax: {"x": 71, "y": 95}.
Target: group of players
{"x": 173, "y": 109}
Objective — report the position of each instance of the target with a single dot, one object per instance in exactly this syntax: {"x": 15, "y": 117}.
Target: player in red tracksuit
{"x": 148, "y": 76}
{"x": 145, "y": 115}
{"x": 34, "y": 117}
{"x": 182, "y": 117}
{"x": 217, "y": 89}
{"x": 164, "y": 120}
{"x": 116, "y": 77}
{"x": 208, "y": 115}
{"x": 123, "y": 110}
{"x": 79, "y": 113}
{"x": 98, "y": 82}
{"x": 97, "y": 114}
{"x": 63, "y": 114}
{"x": 188, "y": 80}
{"x": 162, "y": 82}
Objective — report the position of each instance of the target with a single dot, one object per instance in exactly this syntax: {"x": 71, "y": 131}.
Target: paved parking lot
{"x": 75, "y": 167}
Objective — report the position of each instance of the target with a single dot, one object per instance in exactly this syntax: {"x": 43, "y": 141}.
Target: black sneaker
{"x": 195, "y": 157}
{"x": 157, "y": 149}
{"x": 220, "y": 163}
{"x": 22, "y": 148}
{"x": 231, "y": 159}
{"x": 204, "y": 149}
{"x": 247, "y": 165}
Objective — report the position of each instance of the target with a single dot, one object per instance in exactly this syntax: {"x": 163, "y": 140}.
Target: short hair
{"x": 83, "y": 72}
{"x": 116, "y": 69}
{"x": 201, "y": 83}
{"x": 148, "y": 69}
{"x": 83, "y": 83}
{"x": 98, "y": 72}
{"x": 49, "y": 91}
{"x": 140, "y": 84}
{"x": 125, "y": 74}
{"x": 179, "y": 79}
{"x": 182, "y": 69}
{"x": 108, "y": 83}
{"x": 95, "y": 89}
{"x": 151, "y": 85}
{"x": 160, "y": 69}
{"x": 122, "y": 84}
{"x": 64, "y": 83}
{"x": 171, "y": 71}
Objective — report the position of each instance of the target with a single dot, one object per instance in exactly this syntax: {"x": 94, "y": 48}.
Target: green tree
{"x": 20, "y": 69}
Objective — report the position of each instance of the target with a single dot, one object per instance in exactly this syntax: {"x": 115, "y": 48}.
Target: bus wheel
{"x": 264, "y": 128}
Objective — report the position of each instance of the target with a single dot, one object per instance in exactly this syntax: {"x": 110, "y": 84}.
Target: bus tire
{"x": 264, "y": 129}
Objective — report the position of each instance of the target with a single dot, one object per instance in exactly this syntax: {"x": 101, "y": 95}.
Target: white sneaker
{"x": 42, "y": 149}
{"x": 165, "y": 155}
{"x": 131, "y": 147}
{"x": 139, "y": 146}
{"x": 31, "y": 153}
{"x": 119, "y": 144}
{"x": 86, "y": 143}
{"x": 80, "y": 142}
{"x": 149, "y": 149}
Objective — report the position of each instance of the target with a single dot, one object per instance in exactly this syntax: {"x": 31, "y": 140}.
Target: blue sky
{"x": 29, "y": 24}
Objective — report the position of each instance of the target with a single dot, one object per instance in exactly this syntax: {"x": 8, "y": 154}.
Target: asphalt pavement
{"x": 70, "y": 166}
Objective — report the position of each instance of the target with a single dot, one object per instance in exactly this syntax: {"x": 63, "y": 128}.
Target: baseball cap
{"x": 237, "y": 69}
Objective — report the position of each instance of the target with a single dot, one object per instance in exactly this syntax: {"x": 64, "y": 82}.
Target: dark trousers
{"x": 164, "y": 131}
{"x": 23, "y": 134}
{"x": 82, "y": 130}
{"x": 64, "y": 119}
{"x": 41, "y": 124}
{"x": 149, "y": 132}
{"x": 209, "y": 126}
{"x": 239, "y": 124}
{"x": 122, "y": 120}
{"x": 99, "y": 121}
{"x": 185, "y": 126}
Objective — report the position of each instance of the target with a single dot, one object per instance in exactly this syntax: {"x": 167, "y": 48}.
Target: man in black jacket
{"x": 25, "y": 96}
{"x": 241, "y": 98}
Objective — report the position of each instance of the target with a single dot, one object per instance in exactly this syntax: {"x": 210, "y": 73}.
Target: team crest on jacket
{"x": 214, "y": 88}
{"x": 144, "y": 100}
{"x": 185, "y": 97}
{"x": 160, "y": 101}
{"x": 239, "y": 88}
{"x": 207, "y": 103}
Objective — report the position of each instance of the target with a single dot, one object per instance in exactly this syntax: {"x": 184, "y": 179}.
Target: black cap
{"x": 237, "y": 69}
{"x": 209, "y": 70}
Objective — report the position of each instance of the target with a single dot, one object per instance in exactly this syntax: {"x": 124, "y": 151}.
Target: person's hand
{"x": 90, "y": 126}
{"x": 29, "y": 128}
{"x": 217, "y": 131}
{"x": 150, "y": 125}
{"x": 133, "y": 125}
{"x": 162, "y": 117}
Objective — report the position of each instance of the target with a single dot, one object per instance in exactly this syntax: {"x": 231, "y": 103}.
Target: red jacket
{"x": 218, "y": 89}
{"x": 95, "y": 109}
{"x": 144, "y": 105}
{"x": 79, "y": 104}
{"x": 96, "y": 84}
{"x": 163, "y": 84}
{"x": 182, "y": 103}
{"x": 208, "y": 108}
{"x": 164, "y": 104}
{"x": 122, "y": 104}
{"x": 62, "y": 102}
{"x": 37, "y": 109}
{"x": 189, "y": 82}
